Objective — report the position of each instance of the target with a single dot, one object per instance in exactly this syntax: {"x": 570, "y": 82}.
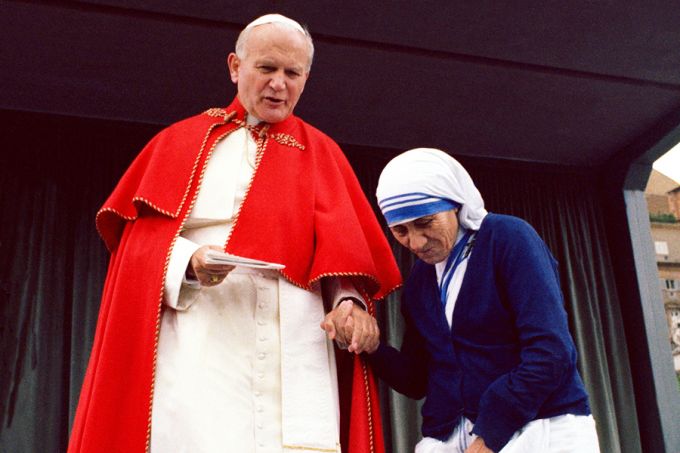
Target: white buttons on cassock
{"x": 266, "y": 392}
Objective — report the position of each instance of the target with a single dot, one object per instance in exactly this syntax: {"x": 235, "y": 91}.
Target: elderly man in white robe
{"x": 242, "y": 363}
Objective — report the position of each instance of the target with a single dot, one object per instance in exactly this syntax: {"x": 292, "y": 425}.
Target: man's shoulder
{"x": 302, "y": 127}
{"x": 189, "y": 129}
{"x": 205, "y": 118}
{"x": 182, "y": 135}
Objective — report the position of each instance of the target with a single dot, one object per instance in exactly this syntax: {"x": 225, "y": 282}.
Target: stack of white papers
{"x": 217, "y": 257}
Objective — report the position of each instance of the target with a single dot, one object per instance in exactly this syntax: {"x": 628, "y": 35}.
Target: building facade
{"x": 663, "y": 201}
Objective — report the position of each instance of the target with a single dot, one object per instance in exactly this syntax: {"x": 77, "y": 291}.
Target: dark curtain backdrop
{"x": 56, "y": 172}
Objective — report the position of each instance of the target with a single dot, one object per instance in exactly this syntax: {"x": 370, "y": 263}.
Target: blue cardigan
{"x": 509, "y": 358}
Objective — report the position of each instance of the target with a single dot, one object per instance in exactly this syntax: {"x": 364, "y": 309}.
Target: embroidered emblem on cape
{"x": 216, "y": 112}
{"x": 288, "y": 140}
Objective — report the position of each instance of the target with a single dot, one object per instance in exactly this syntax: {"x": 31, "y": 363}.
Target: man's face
{"x": 272, "y": 73}
{"x": 430, "y": 237}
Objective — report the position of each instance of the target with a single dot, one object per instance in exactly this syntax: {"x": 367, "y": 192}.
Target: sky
{"x": 669, "y": 163}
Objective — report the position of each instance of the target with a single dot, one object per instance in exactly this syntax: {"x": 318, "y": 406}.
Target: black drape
{"x": 57, "y": 171}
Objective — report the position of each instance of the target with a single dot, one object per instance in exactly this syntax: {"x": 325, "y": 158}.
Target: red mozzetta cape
{"x": 304, "y": 208}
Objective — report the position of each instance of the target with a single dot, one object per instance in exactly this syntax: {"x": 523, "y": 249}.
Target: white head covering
{"x": 425, "y": 181}
{"x": 276, "y": 19}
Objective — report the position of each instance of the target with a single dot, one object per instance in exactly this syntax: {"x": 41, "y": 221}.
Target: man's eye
{"x": 266, "y": 68}
{"x": 399, "y": 231}
{"x": 292, "y": 74}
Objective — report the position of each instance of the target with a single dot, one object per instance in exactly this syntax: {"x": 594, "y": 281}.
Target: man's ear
{"x": 234, "y": 63}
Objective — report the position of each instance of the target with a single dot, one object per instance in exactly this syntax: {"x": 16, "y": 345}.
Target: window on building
{"x": 670, "y": 284}
{"x": 661, "y": 247}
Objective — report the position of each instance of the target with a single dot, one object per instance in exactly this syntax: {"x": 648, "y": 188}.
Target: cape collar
{"x": 237, "y": 113}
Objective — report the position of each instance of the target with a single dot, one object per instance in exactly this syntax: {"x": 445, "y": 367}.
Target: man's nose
{"x": 278, "y": 81}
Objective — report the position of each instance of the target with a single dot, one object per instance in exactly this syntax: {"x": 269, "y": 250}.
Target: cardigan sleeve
{"x": 404, "y": 370}
{"x": 528, "y": 282}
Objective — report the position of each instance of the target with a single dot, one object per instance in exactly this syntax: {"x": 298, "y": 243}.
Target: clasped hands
{"x": 351, "y": 326}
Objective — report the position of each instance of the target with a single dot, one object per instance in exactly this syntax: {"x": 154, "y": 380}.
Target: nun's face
{"x": 431, "y": 237}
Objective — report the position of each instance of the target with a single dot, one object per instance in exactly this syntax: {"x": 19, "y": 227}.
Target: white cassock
{"x": 242, "y": 366}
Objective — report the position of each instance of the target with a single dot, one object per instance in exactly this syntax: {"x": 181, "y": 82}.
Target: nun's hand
{"x": 478, "y": 446}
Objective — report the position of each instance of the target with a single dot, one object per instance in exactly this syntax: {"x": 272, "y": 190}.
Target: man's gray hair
{"x": 279, "y": 20}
